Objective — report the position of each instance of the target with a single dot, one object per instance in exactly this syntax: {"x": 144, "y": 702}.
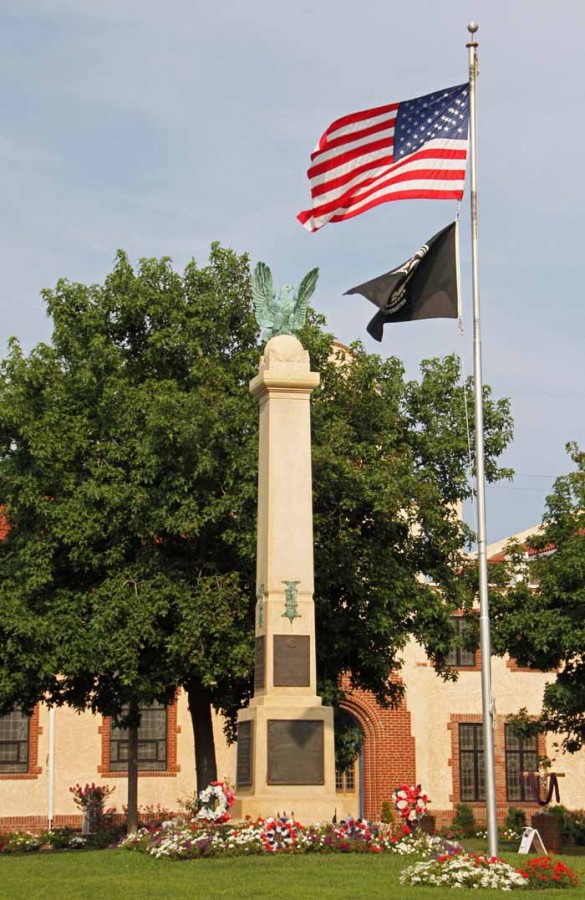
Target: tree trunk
{"x": 200, "y": 709}
{"x": 132, "y": 809}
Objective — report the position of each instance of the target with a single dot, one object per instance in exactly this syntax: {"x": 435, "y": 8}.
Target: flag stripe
{"x": 378, "y": 164}
{"x": 384, "y": 130}
{"x": 372, "y": 126}
{"x": 356, "y": 198}
{"x": 435, "y": 187}
{"x": 342, "y": 174}
{"x": 333, "y": 160}
{"x": 431, "y": 165}
{"x": 425, "y": 193}
{"x": 360, "y": 160}
{"x": 355, "y": 121}
{"x": 351, "y": 181}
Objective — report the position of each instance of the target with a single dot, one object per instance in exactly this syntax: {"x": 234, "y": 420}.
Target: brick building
{"x": 433, "y": 738}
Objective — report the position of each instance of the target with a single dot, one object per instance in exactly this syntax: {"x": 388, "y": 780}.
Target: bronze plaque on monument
{"x": 259, "y": 662}
{"x": 295, "y": 751}
{"x": 244, "y": 757}
{"x": 292, "y": 660}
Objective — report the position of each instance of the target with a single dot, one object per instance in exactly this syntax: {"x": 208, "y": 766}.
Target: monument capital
{"x": 284, "y": 366}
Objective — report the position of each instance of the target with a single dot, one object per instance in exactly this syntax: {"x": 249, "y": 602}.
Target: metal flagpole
{"x": 484, "y": 621}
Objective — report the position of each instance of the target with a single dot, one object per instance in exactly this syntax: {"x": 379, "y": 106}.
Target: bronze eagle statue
{"x": 286, "y": 313}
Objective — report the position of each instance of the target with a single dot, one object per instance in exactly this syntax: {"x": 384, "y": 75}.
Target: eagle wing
{"x": 303, "y": 295}
{"x": 263, "y": 295}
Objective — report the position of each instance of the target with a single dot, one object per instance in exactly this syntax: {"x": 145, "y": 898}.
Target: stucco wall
{"x": 415, "y": 742}
{"x": 78, "y": 759}
{"x": 433, "y": 703}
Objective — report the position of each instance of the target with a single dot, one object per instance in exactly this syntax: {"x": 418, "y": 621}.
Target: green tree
{"x": 127, "y": 476}
{"x": 390, "y": 463}
{"x": 128, "y": 459}
{"x": 539, "y": 611}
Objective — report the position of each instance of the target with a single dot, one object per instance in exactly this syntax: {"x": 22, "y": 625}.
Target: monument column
{"x": 285, "y": 737}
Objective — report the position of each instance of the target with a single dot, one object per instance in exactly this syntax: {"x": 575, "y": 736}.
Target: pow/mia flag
{"x": 426, "y": 286}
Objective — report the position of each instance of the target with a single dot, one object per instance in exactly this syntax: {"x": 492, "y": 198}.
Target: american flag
{"x": 416, "y": 149}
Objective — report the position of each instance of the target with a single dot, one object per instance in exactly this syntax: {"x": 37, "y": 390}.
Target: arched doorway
{"x": 388, "y": 752}
{"x": 349, "y": 780}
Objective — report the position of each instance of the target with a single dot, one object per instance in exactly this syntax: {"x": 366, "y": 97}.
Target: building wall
{"x": 79, "y": 757}
{"x": 415, "y": 743}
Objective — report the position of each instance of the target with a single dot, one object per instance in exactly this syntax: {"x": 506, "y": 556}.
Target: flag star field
{"x": 444, "y": 114}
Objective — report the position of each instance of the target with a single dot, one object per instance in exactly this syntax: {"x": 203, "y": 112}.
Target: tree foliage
{"x": 127, "y": 476}
{"x": 128, "y": 460}
{"x": 539, "y": 611}
{"x": 390, "y": 464}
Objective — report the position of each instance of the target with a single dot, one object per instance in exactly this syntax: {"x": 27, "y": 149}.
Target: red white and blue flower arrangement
{"x": 410, "y": 802}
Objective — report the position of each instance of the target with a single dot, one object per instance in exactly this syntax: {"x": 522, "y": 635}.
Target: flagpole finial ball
{"x": 472, "y": 27}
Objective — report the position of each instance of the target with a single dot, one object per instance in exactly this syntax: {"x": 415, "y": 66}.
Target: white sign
{"x": 528, "y": 836}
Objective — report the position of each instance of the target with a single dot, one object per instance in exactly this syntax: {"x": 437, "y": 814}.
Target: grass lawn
{"x": 113, "y": 874}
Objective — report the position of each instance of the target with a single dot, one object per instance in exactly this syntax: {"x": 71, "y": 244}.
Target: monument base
{"x": 307, "y": 811}
{"x": 286, "y": 760}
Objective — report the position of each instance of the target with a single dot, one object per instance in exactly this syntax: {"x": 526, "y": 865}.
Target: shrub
{"x": 58, "y": 839}
{"x": 20, "y": 842}
{"x": 91, "y": 796}
{"x": 451, "y": 833}
{"x": 576, "y": 827}
{"x": 107, "y": 835}
{"x": 515, "y": 820}
{"x": 572, "y": 824}
{"x": 464, "y": 820}
{"x": 387, "y": 814}
{"x": 91, "y": 801}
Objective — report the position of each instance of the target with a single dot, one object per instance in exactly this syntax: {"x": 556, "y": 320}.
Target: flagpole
{"x": 484, "y": 621}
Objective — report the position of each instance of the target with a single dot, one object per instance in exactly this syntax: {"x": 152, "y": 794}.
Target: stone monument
{"x": 285, "y": 754}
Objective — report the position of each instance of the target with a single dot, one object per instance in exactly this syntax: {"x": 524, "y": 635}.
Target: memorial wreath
{"x": 215, "y": 801}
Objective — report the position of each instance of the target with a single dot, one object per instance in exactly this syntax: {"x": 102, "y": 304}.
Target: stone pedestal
{"x": 285, "y": 758}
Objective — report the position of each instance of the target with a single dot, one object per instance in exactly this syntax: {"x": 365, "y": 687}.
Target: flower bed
{"x": 25, "y": 842}
{"x": 469, "y": 870}
{"x": 464, "y": 870}
{"x": 181, "y": 839}
{"x": 19, "y": 842}
{"x": 544, "y": 872}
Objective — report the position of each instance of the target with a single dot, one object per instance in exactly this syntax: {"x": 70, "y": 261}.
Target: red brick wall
{"x": 388, "y": 751}
{"x": 36, "y": 824}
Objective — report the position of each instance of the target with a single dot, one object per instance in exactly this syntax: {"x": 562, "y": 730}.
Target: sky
{"x": 159, "y": 128}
